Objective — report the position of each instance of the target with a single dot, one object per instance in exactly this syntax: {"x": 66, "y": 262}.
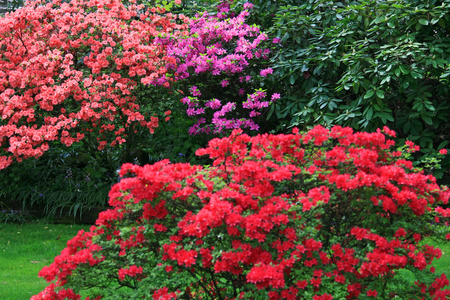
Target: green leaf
{"x": 403, "y": 69}
{"x": 407, "y": 127}
{"x": 423, "y": 21}
{"x": 418, "y": 106}
{"x": 369, "y": 113}
{"x": 416, "y": 75}
{"x": 292, "y": 79}
{"x": 380, "y": 94}
{"x": 385, "y": 79}
{"x": 369, "y": 94}
{"x": 271, "y": 110}
{"x": 429, "y": 106}
{"x": 427, "y": 119}
{"x": 442, "y": 145}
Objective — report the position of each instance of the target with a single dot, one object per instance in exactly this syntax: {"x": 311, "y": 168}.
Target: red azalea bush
{"x": 326, "y": 214}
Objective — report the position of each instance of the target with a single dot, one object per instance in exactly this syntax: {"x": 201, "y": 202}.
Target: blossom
{"x": 195, "y": 91}
{"x": 131, "y": 271}
{"x": 248, "y": 5}
{"x": 102, "y": 84}
{"x": 266, "y": 72}
{"x": 275, "y": 96}
{"x": 265, "y": 276}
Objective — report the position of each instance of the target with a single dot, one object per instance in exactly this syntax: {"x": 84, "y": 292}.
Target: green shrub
{"x": 363, "y": 64}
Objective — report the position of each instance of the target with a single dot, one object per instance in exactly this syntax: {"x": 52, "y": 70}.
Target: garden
{"x": 225, "y": 149}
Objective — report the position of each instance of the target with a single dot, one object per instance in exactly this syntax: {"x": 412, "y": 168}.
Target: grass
{"x": 24, "y": 250}
{"x": 442, "y": 265}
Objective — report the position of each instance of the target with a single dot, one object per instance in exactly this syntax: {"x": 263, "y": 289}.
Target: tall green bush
{"x": 364, "y": 64}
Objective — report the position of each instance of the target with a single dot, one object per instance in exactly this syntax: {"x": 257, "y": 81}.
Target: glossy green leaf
{"x": 423, "y": 21}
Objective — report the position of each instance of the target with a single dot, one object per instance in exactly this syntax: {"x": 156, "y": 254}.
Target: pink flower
{"x": 443, "y": 151}
{"x": 248, "y": 5}
{"x": 266, "y": 72}
{"x": 195, "y": 91}
{"x": 225, "y": 83}
{"x": 275, "y": 96}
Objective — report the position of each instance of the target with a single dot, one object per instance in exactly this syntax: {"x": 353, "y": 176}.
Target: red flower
{"x": 301, "y": 284}
{"x": 131, "y": 271}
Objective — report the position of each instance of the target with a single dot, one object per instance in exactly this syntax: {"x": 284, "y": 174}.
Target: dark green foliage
{"x": 363, "y": 64}
{"x": 61, "y": 182}
{"x": 12, "y": 216}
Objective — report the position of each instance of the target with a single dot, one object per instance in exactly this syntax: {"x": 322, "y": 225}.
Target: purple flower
{"x": 185, "y": 100}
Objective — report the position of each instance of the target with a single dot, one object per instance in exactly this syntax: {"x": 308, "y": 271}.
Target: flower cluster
{"x": 326, "y": 214}
{"x": 70, "y": 69}
{"x": 222, "y": 45}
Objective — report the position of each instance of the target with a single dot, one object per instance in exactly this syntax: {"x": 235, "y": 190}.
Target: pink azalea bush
{"x": 326, "y": 214}
{"x": 220, "y": 50}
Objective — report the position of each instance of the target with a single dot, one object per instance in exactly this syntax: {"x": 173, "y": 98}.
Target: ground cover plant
{"x": 24, "y": 250}
{"x": 326, "y": 214}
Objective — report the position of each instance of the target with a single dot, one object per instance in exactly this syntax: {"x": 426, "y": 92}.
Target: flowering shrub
{"x": 219, "y": 52}
{"x": 326, "y": 214}
{"x": 69, "y": 71}
{"x": 86, "y": 71}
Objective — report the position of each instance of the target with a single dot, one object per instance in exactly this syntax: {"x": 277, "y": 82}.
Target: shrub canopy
{"x": 364, "y": 64}
{"x": 327, "y": 214}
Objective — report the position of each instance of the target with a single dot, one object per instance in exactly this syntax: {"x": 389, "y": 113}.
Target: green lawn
{"x": 442, "y": 265}
{"x": 24, "y": 250}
